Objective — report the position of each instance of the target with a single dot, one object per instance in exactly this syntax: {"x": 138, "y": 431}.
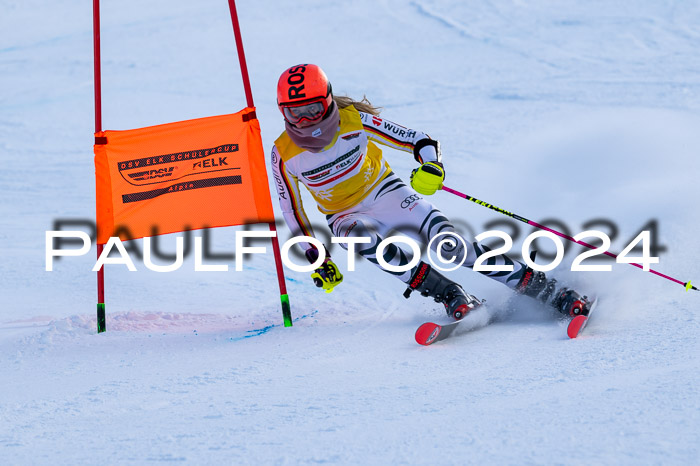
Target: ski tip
{"x": 575, "y": 326}
{"x": 427, "y": 333}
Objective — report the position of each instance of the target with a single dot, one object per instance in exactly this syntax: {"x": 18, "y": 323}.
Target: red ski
{"x": 430, "y": 332}
{"x": 579, "y": 322}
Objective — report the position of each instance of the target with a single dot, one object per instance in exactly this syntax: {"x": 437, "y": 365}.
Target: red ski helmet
{"x": 304, "y": 94}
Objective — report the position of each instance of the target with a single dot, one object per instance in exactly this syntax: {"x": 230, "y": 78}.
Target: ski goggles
{"x": 312, "y": 112}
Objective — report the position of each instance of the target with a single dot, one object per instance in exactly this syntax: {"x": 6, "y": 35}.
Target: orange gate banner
{"x": 208, "y": 172}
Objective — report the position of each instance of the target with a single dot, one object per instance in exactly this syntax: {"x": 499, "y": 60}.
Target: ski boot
{"x": 565, "y": 300}
{"x": 571, "y": 303}
{"x": 429, "y": 282}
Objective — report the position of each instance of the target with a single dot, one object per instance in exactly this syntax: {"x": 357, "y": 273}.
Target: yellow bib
{"x": 344, "y": 172}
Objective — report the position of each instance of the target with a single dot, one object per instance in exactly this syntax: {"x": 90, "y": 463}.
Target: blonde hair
{"x": 363, "y": 105}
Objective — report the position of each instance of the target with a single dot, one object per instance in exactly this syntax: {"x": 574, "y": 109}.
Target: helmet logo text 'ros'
{"x": 295, "y": 81}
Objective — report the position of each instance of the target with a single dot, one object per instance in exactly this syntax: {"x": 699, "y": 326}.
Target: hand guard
{"x": 428, "y": 178}
{"x": 327, "y": 276}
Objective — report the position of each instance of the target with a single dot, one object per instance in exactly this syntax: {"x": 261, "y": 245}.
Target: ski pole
{"x": 688, "y": 286}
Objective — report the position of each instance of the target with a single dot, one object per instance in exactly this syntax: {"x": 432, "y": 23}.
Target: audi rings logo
{"x": 410, "y": 200}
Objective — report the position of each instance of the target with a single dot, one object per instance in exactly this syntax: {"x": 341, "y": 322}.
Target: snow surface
{"x": 566, "y": 110}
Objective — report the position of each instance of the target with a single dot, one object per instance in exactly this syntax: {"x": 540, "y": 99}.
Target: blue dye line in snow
{"x": 262, "y": 331}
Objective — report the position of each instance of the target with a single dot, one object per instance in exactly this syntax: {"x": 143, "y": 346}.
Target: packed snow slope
{"x": 568, "y": 111}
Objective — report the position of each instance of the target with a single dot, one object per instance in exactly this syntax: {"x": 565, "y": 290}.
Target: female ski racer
{"x": 330, "y": 146}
